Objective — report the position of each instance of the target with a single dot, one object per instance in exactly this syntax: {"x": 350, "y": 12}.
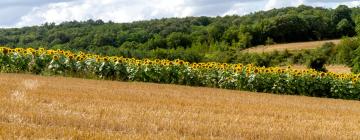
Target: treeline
{"x": 192, "y": 38}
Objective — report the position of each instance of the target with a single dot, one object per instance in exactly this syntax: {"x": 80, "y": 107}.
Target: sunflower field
{"x": 211, "y": 74}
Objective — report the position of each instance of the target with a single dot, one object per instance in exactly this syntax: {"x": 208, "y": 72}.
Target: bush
{"x": 317, "y": 64}
{"x": 269, "y": 41}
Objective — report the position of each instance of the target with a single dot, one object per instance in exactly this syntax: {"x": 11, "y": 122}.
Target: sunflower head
{"x": 51, "y": 52}
{"x": 18, "y": 50}
{"x": 55, "y": 57}
{"x": 5, "y": 51}
{"x": 70, "y": 56}
{"x": 256, "y": 71}
{"x": 354, "y": 80}
{"x": 282, "y": 71}
{"x": 323, "y": 74}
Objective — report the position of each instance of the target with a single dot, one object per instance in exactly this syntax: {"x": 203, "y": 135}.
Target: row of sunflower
{"x": 211, "y": 74}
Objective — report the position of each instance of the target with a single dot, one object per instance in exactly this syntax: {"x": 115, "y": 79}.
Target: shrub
{"x": 317, "y": 64}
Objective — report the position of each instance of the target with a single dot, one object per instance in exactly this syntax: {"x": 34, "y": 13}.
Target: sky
{"x": 20, "y": 13}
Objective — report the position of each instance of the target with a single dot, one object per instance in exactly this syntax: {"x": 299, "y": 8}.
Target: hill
{"x": 37, "y": 107}
{"x": 192, "y": 39}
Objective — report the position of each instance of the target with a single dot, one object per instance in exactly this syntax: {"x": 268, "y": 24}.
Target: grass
{"x": 36, "y": 107}
{"x": 290, "y": 46}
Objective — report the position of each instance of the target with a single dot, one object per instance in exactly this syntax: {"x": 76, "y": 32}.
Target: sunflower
{"x": 282, "y": 71}
{"x": 51, "y": 52}
{"x": 81, "y": 58}
{"x": 18, "y": 50}
{"x": 256, "y": 71}
{"x": 55, "y": 57}
{"x": 323, "y": 74}
{"x": 70, "y": 57}
{"x": 119, "y": 60}
{"x": 5, "y": 51}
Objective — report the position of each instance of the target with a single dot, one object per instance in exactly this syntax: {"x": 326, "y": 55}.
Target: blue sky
{"x": 19, "y": 13}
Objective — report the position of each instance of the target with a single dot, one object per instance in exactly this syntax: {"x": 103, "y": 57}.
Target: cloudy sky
{"x": 19, "y": 13}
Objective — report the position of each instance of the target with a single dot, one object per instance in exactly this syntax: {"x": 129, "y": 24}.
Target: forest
{"x": 194, "y": 39}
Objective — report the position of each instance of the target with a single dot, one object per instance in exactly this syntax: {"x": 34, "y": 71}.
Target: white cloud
{"x": 352, "y": 3}
{"x": 115, "y": 10}
{"x": 271, "y": 4}
{"x": 59, "y": 11}
{"x": 243, "y": 8}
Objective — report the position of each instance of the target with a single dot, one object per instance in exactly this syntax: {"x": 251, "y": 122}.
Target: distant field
{"x": 35, "y": 107}
{"x": 290, "y": 46}
{"x": 330, "y": 68}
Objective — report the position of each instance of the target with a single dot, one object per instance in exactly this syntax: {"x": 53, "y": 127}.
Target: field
{"x": 36, "y": 107}
{"x": 290, "y": 46}
{"x": 330, "y": 68}
{"x": 248, "y": 77}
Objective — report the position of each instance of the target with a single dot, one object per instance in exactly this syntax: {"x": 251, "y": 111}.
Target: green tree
{"x": 357, "y": 28}
{"x": 340, "y": 13}
{"x": 177, "y": 39}
{"x": 344, "y": 27}
{"x": 244, "y": 40}
{"x": 216, "y": 31}
{"x": 231, "y": 35}
{"x": 288, "y": 28}
{"x": 157, "y": 42}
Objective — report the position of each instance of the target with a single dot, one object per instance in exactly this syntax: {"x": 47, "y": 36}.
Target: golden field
{"x": 331, "y": 68}
{"x": 290, "y": 46}
{"x": 37, "y": 107}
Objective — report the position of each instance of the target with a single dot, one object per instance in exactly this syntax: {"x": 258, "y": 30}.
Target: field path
{"x": 290, "y": 46}
{"x": 34, "y": 107}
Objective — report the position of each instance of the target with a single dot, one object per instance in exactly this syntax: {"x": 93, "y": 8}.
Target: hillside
{"x": 34, "y": 107}
{"x": 191, "y": 38}
{"x": 290, "y": 46}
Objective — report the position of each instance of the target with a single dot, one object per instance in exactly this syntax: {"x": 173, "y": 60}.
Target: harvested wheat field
{"x": 290, "y": 46}
{"x": 34, "y": 107}
{"x": 331, "y": 68}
